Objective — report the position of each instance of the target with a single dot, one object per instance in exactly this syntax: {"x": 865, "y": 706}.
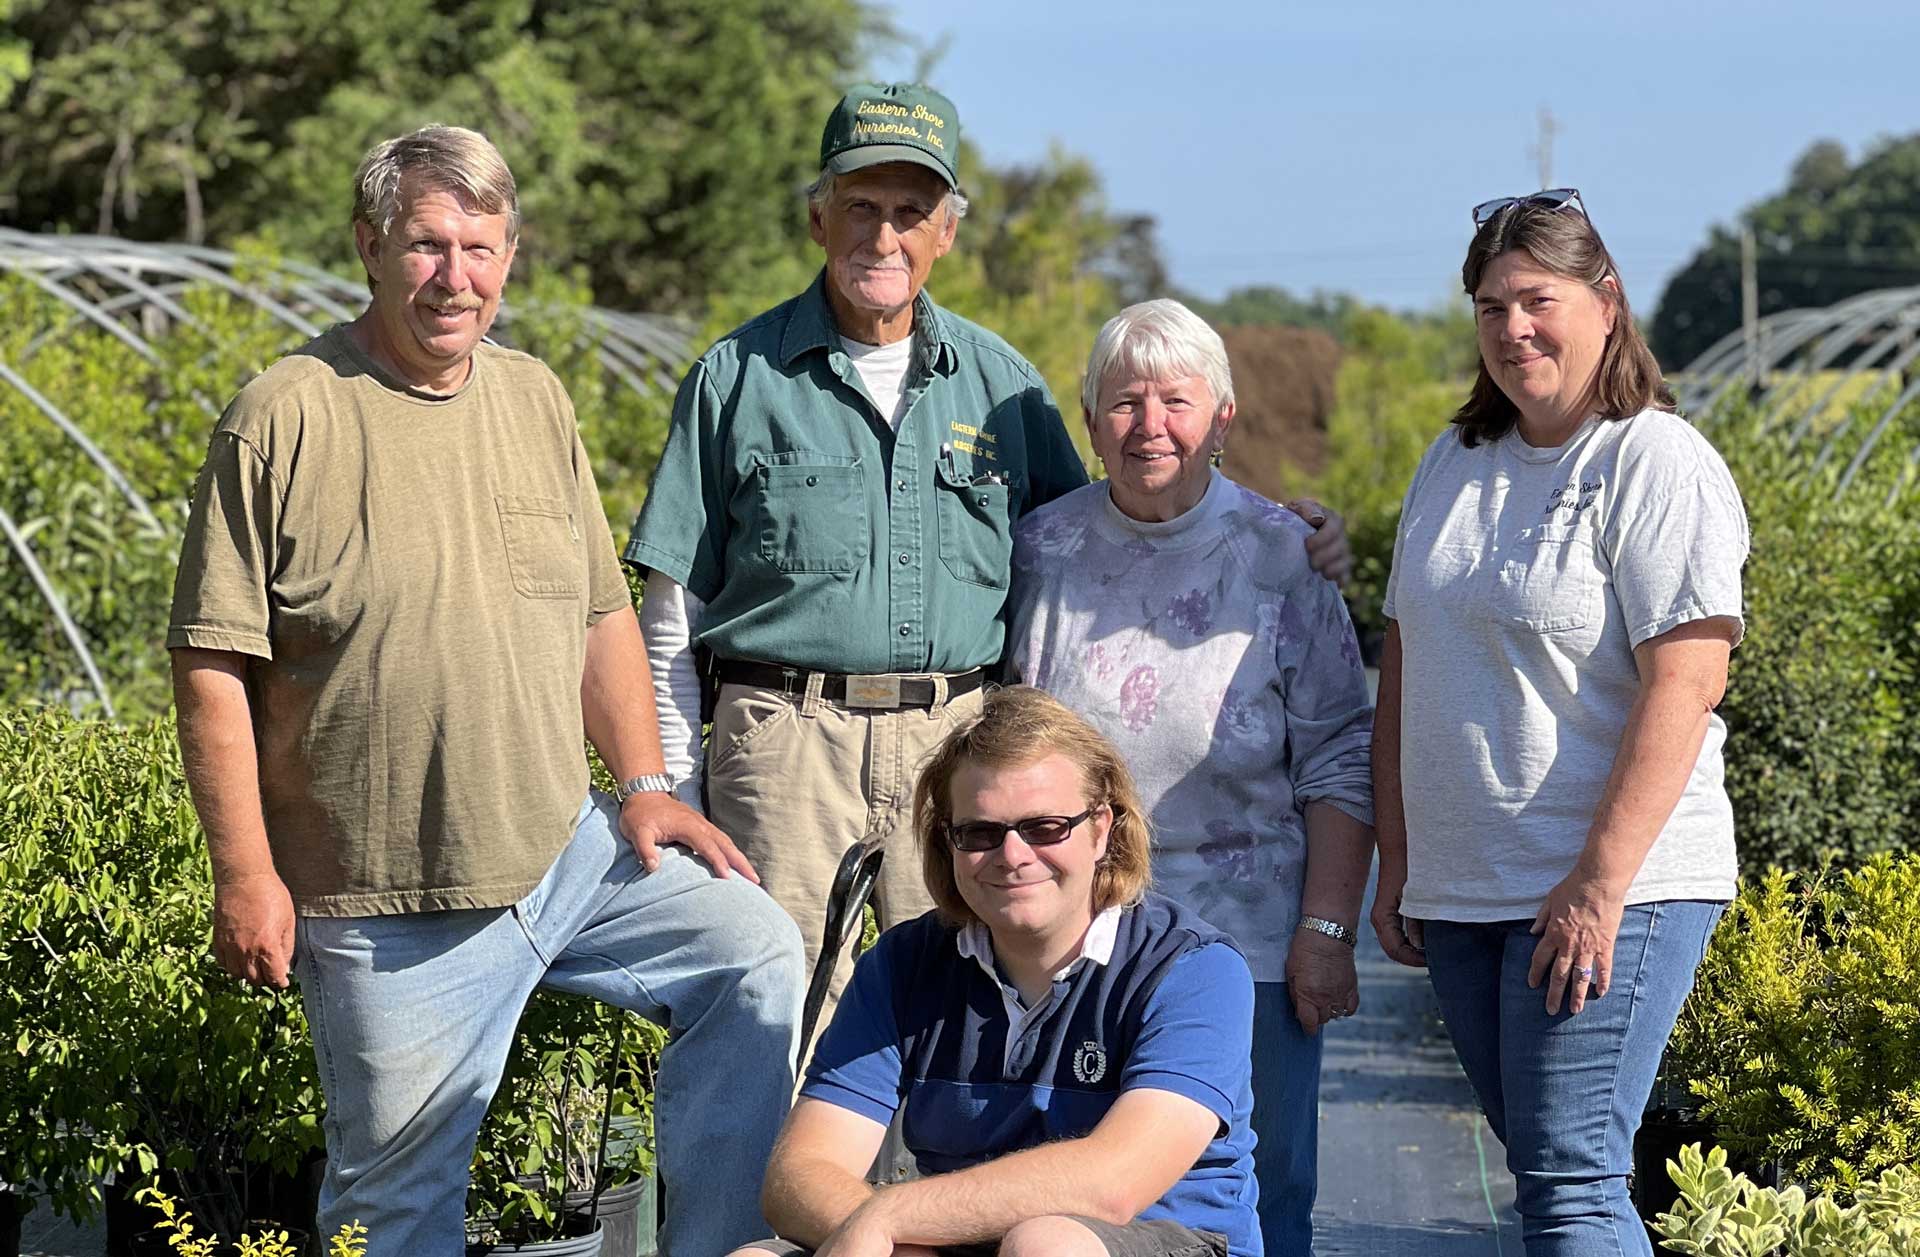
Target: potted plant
{"x": 1801, "y": 1041}
{"x": 563, "y": 1153}
{"x": 1719, "y": 1213}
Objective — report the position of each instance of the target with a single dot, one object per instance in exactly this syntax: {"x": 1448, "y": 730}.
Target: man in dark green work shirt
{"x": 832, "y": 520}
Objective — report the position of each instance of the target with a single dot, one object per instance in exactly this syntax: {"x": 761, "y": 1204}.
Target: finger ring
{"x": 1585, "y": 972}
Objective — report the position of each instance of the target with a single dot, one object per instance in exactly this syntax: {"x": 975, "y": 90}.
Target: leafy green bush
{"x": 1399, "y": 384}
{"x": 1801, "y": 1040}
{"x": 125, "y": 1042}
{"x": 1823, "y": 751}
{"x": 105, "y": 904}
{"x": 1723, "y": 1214}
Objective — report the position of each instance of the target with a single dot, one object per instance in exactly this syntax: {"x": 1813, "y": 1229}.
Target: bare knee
{"x": 1051, "y": 1236}
{"x": 752, "y": 1250}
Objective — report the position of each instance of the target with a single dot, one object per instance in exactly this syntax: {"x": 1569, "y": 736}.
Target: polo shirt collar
{"x": 976, "y": 942}
{"x": 811, "y": 327}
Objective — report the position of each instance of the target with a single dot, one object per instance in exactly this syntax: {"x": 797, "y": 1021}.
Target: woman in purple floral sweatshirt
{"x": 1179, "y": 613}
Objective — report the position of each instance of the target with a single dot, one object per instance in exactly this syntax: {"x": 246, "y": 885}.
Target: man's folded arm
{"x": 1147, "y": 1141}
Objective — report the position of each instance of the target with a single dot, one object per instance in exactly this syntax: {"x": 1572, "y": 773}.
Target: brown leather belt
{"x": 882, "y": 690}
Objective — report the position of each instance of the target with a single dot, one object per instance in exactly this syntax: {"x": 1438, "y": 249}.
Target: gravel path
{"x": 1408, "y": 1168}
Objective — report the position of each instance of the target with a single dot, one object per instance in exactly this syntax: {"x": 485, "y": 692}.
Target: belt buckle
{"x": 873, "y": 691}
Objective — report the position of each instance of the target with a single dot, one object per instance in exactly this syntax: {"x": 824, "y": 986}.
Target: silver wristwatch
{"x": 643, "y": 784}
{"x": 1332, "y": 929}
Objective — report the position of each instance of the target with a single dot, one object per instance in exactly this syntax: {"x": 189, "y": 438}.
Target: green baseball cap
{"x": 883, "y": 122}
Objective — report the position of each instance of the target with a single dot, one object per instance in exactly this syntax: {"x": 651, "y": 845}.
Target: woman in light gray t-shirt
{"x": 1556, "y": 844}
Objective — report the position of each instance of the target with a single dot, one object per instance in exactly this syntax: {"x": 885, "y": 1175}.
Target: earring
{"x": 1216, "y": 456}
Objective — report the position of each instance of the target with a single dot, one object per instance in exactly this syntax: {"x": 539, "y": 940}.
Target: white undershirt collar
{"x": 1096, "y": 948}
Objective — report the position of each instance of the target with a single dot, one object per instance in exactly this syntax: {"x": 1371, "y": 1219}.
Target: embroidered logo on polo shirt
{"x": 1090, "y": 1062}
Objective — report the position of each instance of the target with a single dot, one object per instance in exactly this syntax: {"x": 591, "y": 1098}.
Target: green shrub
{"x": 1823, "y": 749}
{"x": 125, "y": 1042}
{"x": 1399, "y": 384}
{"x": 1801, "y": 1040}
{"x": 126, "y": 1045}
{"x": 1722, "y": 1214}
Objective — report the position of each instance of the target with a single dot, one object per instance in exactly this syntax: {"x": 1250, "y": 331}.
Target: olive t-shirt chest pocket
{"x": 542, "y": 540}
{"x": 813, "y": 514}
{"x": 1547, "y": 580}
{"x": 976, "y": 527}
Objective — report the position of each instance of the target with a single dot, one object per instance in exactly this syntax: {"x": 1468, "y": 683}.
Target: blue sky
{"x": 1340, "y": 145}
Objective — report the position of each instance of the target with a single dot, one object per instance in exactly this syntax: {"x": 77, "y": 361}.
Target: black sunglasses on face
{"x": 1552, "y": 198}
{"x": 1035, "y": 831}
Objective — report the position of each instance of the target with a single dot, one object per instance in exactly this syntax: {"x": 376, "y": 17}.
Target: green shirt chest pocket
{"x": 542, "y": 543}
{"x": 976, "y": 529}
{"x": 812, "y": 516}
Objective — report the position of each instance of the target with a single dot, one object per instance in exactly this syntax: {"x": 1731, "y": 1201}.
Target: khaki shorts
{"x": 1162, "y": 1237}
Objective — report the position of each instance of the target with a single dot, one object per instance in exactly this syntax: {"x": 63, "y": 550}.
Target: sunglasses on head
{"x": 1552, "y": 198}
{"x": 1035, "y": 831}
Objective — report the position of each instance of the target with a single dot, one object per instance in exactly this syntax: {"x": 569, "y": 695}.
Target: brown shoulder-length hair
{"x": 1016, "y": 726}
{"x": 1563, "y": 241}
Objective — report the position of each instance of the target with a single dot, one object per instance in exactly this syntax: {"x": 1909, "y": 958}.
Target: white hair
{"x": 1157, "y": 340}
{"x": 454, "y": 159}
{"x": 821, "y": 188}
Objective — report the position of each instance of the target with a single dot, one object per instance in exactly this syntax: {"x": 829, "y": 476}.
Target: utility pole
{"x": 1750, "y": 304}
{"x": 1542, "y": 150}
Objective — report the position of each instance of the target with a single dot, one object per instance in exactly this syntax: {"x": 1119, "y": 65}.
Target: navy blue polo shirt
{"x": 1171, "y": 1009}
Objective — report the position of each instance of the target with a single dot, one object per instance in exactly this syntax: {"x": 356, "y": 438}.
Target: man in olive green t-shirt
{"x": 397, "y": 618}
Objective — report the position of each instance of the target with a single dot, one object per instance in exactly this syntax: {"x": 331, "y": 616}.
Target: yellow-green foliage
{"x": 177, "y": 1224}
{"x": 1723, "y": 1214}
{"x": 1801, "y": 1041}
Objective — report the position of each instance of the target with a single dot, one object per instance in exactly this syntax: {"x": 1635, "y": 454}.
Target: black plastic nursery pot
{"x": 157, "y": 1243}
{"x": 1663, "y": 1132}
{"x": 282, "y": 1202}
{"x": 13, "y": 1212}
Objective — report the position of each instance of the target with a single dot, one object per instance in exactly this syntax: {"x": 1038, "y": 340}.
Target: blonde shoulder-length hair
{"x": 1016, "y": 726}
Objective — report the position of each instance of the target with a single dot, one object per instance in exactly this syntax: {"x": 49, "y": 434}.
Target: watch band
{"x": 1332, "y": 929}
{"x": 662, "y": 783}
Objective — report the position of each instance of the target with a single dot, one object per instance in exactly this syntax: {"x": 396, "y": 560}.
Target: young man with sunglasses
{"x": 1070, "y": 1054}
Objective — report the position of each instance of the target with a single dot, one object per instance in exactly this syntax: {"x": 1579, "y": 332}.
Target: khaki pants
{"x": 795, "y": 781}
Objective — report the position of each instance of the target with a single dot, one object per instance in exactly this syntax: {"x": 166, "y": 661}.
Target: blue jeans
{"x": 1286, "y": 1121}
{"x": 413, "y": 1016}
{"x": 1565, "y": 1093}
